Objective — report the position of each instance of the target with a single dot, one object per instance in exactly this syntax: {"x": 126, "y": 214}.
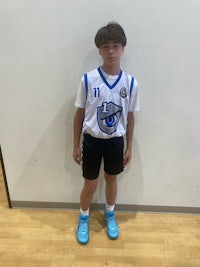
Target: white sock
{"x": 110, "y": 207}
{"x": 84, "y": 212}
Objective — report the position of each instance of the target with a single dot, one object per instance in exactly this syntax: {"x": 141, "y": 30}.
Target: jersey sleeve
{"x": 81, "y": 95}
{"x": 134, "y": 104}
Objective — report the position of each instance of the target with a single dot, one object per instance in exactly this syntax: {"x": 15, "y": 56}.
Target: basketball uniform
{"x": 107, "y": 100}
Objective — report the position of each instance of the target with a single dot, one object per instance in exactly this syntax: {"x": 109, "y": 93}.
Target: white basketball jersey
{"x": 107, "y": 100}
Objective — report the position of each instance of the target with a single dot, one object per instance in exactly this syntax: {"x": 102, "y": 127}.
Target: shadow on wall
{"x": 50, "y": 175}
{"x": 131, "y": 180}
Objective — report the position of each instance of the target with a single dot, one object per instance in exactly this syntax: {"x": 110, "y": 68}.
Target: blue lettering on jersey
{"x": 96, "y": 92}
{"x": 108, "y": 115}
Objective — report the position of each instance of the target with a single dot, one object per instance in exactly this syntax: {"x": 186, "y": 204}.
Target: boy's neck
{"x": 112, "y": 70}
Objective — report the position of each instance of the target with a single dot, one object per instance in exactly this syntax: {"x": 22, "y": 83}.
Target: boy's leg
{"x": 113, "y": 165}
{"x": 111, "y": 193}
{"x": 87, "y": 193}
{"x": 85, "y": 200}
{"x": 111, "y": 188}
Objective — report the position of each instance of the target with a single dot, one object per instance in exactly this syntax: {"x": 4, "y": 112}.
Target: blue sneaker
{"x": 112, "y": 227}
{"x": 82, "y": 233}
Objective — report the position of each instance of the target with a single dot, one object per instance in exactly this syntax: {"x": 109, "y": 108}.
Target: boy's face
{"x": 111, "y": 53}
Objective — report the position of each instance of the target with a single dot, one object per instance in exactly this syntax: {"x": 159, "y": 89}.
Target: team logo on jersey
{"x": 123, "y": 92}
{"x": 108, "y": 115}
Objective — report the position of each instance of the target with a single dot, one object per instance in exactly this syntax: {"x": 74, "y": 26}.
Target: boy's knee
{"x": 90, "y": 186}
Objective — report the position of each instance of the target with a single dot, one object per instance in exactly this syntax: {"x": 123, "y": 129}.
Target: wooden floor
{"x": 47, "y": 238}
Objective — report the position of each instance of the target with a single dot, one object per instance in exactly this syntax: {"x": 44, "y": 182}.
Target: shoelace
{"x": 111, "y": 221}
{"x": 83, "y": 225}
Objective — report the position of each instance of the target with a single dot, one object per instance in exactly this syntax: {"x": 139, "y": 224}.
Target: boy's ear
{"x": 99, "y": 51}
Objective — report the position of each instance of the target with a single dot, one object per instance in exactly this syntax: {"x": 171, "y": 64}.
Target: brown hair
{"x": 111, "y": 32}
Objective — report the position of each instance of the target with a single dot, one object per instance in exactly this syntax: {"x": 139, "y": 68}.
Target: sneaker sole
{"x": 82, "y": 242}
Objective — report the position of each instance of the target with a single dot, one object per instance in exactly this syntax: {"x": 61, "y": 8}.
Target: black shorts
{"x": 94, "y": 149}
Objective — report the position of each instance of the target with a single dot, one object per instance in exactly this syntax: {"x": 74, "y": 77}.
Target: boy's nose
{"x": 111, "y": 49}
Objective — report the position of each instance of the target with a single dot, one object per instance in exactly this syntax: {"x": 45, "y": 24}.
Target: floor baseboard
{"x": 97, "y": 206}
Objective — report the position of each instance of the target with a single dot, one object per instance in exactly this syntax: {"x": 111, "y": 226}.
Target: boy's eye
{"x": 116, "y": 46}
{"x": 113, "y": 47}
{"x": 105, "y": 47}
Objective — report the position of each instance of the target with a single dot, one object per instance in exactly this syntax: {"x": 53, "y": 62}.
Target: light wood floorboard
{"x": 46, "y": 238}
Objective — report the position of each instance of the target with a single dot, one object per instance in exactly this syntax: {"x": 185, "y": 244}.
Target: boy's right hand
{"x": 77, "y": 155}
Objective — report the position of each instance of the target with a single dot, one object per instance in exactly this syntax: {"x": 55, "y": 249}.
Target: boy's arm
{"x": 78, "y": 123}
{"x": 129, "y": 138}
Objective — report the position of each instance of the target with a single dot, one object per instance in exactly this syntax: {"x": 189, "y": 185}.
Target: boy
{"x": 106, "y": 100}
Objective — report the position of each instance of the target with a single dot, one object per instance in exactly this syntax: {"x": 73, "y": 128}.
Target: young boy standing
{"x": 106, "y": 100}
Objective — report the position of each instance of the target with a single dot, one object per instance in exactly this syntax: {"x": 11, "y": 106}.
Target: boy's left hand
{"x": 127, "y": 156}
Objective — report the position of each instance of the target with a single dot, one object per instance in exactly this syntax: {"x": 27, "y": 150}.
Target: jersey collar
{"x": 111, "y": 86}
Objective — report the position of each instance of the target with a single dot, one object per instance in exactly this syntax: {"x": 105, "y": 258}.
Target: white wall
{"x": 45, "y": 48}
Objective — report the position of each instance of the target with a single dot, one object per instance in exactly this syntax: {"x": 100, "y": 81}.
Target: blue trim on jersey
{"x": 105, "y": 81}
{"x": 131, "y": 87}
{"x": 86, "y": 83}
